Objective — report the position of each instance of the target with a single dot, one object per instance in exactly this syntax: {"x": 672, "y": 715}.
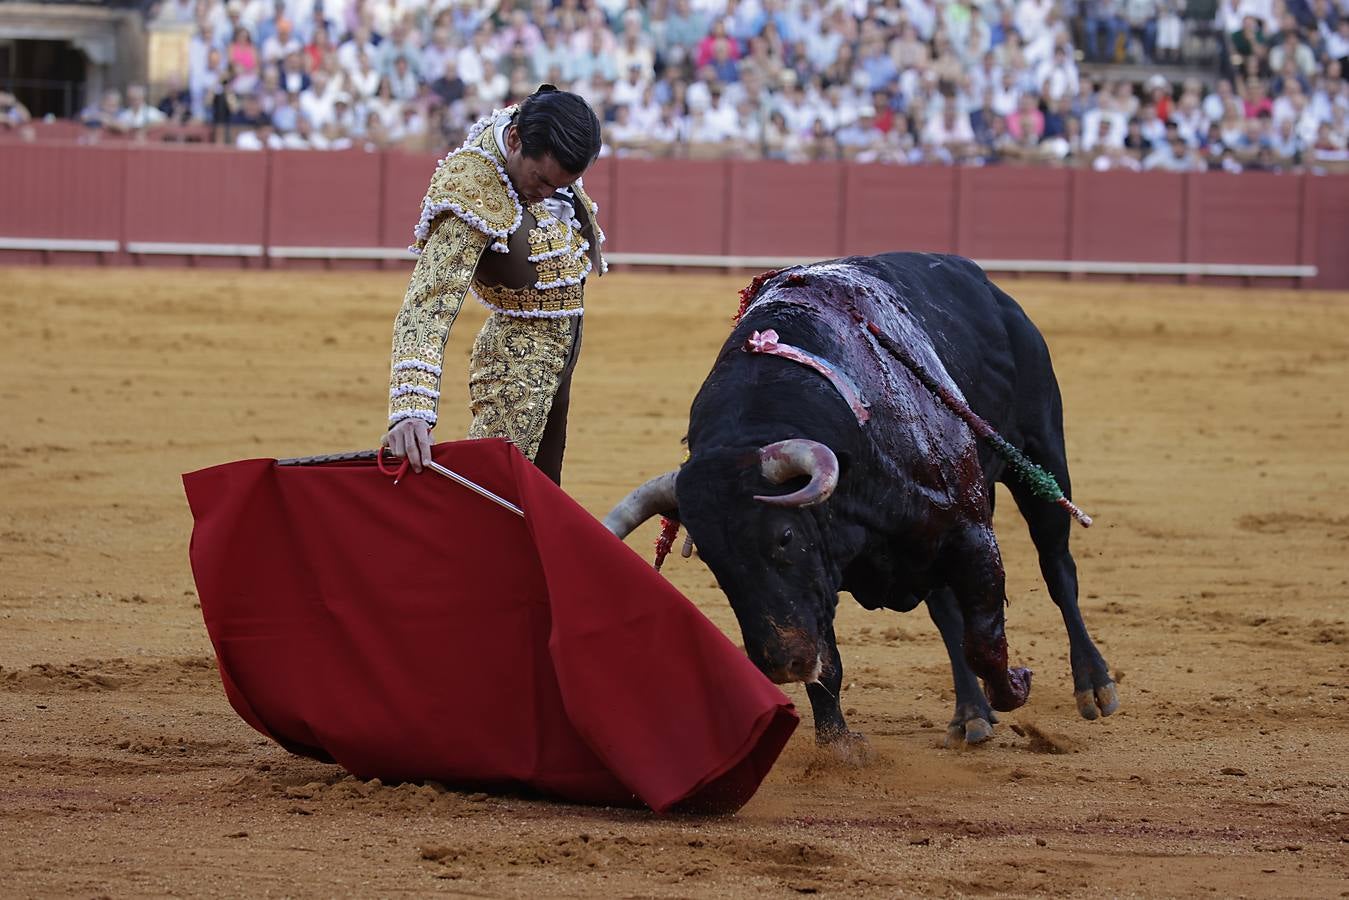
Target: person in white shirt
{"x": 701, "y": 128}
{"x": 1217, "y": 102}
{"x": 1227, "y": 20}
{"x": 472, "y": 57}
{"x": 1059, "y": 75}
{"x": 494, "y": 85}
{"x": 282, "y": 44}
{"x": 1116, "y": 158}
{"x": 261, "y": 137}
{"x": 1103, "y": 129}
{"x": 1172, "y": 155}
{"x": 138, "y": 114}
{"x": 629, "y": 89}
{"x": 316, "y": 103}
{"x": 795, "y": 111}
{"x": 437, "y": 53}
{"x": 403, "y": 81}
{"x": 361, "y": 41}
{"x": 646, "y": 112}
{"x": 950, "y": 130}
{"x": 1337, "y": 41}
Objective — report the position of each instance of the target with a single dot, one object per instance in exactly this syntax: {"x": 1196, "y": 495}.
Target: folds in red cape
{"x": 418, "y": 631}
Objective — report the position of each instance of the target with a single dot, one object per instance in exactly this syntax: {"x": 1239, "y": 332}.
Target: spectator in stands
{"x": 1115, "y": 159}
{"x": 1248, "y": 44}
{"x": 816, "y": 63}
{"x": 12, "y": 112}
{"x": 242, "y": 54}
{"x": 1336, "y": 40}
{"x": 449, "y": 87}
{"x": 1141, "y": 18}
{"x": 493, "y": 87}
{"x": 106, "y": 114}
{"x": 950, "y": 131}
{"x": 403, "y": 83}
{"x": 262, "y": 136}
{"x": 1102, "y": 29}
{"x": 1256, "y": 101}
{"x": 1170, "y": 31}
{"x": 176, "y": 102}
{"x": 138, "y": 114}
{"x": 281, "y": 44}
{"x": 1293, "y": 49}
{"x": 1219, "y": 101}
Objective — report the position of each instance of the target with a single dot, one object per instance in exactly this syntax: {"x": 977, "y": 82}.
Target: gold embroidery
{"x": 515, "y": 372}
{"x": 559, "y": 299}
{"x": 433, "y": 299}
{"x": 558, "y": 249}
{"x": 475, "y": 184}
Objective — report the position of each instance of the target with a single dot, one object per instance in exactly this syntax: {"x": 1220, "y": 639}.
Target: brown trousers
{"x": 553, "y": 445}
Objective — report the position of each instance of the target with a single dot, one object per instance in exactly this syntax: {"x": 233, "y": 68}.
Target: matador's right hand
{"x": 410, "y": 438}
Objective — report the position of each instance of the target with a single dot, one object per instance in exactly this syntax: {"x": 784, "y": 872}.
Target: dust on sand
{"x": 1206, "y": 430}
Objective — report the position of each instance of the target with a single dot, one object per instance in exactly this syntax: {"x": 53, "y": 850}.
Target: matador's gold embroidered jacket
{"x": 536, "y": 267}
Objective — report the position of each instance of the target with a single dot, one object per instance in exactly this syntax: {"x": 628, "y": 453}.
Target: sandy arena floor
{"x": 1207, "y": 431}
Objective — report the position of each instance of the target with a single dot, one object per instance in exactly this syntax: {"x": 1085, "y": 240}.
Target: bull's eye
{"x": 785, "y": 538}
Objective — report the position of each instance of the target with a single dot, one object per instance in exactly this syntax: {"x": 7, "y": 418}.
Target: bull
{"x": 835, "y": 465}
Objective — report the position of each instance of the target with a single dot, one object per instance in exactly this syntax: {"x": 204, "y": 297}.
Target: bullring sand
{"x": 1207, "y": 433}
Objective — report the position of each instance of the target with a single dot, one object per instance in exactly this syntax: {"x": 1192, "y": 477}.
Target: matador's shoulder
{"x": 471, "y": 184}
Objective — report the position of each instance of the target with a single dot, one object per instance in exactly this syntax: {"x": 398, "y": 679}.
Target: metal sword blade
{"x": 474, "y": 487}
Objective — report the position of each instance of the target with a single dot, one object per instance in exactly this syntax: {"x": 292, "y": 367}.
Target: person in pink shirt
{"x": 1256, "y": 100}
{"x": 242, "y": 53}
{"x": 1027, "y": 119}
{"x": 707, "y": 47}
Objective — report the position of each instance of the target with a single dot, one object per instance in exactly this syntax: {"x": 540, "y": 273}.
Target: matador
{"x": 507, "y": 218}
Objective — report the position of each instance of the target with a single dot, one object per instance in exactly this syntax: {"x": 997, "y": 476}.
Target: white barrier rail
{"x": 674, "y": 260}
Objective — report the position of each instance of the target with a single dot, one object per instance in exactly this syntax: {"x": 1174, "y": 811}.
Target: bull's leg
{"x": 1050, "y": 526}
{"x": 972, "y": 722}
{"x": 973, "y": 569}
{"x": 825, "y": 702}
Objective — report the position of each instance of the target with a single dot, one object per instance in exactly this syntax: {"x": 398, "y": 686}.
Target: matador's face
{"x": 534, "y": 178}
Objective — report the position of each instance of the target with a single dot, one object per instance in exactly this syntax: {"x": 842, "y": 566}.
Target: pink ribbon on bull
{"x": 767, "y": 342}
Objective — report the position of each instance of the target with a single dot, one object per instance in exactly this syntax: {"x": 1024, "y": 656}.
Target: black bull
{"x": 791, "y": 498}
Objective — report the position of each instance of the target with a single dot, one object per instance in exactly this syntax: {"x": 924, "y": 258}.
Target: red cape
{"x": 418, "y": 631}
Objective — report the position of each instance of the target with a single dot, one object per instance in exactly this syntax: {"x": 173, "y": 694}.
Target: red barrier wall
{"x": 1025, "y": 216}
{"x": 195, "y": 196}
{"x": 780, "y": 209}
{"x": 293, "y": 199}
{"x": 61, "y": 191}
{"x": 324, "y": 200}
{"x": 403, "y": 185}
{"x": 1325, "y": 231}
{"x": 1118, "y": 216}
{"x": 885, "y": 208}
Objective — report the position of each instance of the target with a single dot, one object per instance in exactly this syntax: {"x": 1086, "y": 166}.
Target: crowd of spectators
{"x": 896, "y": 81}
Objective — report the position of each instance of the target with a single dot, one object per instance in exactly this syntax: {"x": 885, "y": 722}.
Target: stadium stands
{"x": 1254, "y": 84}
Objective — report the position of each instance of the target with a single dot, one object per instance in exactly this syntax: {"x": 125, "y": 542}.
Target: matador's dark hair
{"x": 561, "y": 124}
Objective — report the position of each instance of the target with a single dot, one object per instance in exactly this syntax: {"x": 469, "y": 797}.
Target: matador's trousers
{"x": 519, "y": 384}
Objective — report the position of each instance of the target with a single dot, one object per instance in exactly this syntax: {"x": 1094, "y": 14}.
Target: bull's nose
{"x": 800, "y": 669}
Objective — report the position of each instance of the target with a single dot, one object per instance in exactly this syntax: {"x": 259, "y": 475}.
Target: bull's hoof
{"x": 848, "y": 748}
{"x": 1101, "y": 701}
{"x": 968, "y": 733}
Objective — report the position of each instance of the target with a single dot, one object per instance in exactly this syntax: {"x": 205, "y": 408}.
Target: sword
{"x": 474, "y": 487}
{"x": 431, "y": 464}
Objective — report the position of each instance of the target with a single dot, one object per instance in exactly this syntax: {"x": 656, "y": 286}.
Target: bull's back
{"x": 987, "y": 343}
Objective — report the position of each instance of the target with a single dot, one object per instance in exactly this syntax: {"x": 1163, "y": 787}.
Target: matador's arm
{"x": 433, "y": 300}
{"x": 469, "y": 206}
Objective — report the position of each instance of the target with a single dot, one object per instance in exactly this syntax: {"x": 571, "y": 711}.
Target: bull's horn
{"x": 787, "y": 459}
{"x": 653, "y": 498}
